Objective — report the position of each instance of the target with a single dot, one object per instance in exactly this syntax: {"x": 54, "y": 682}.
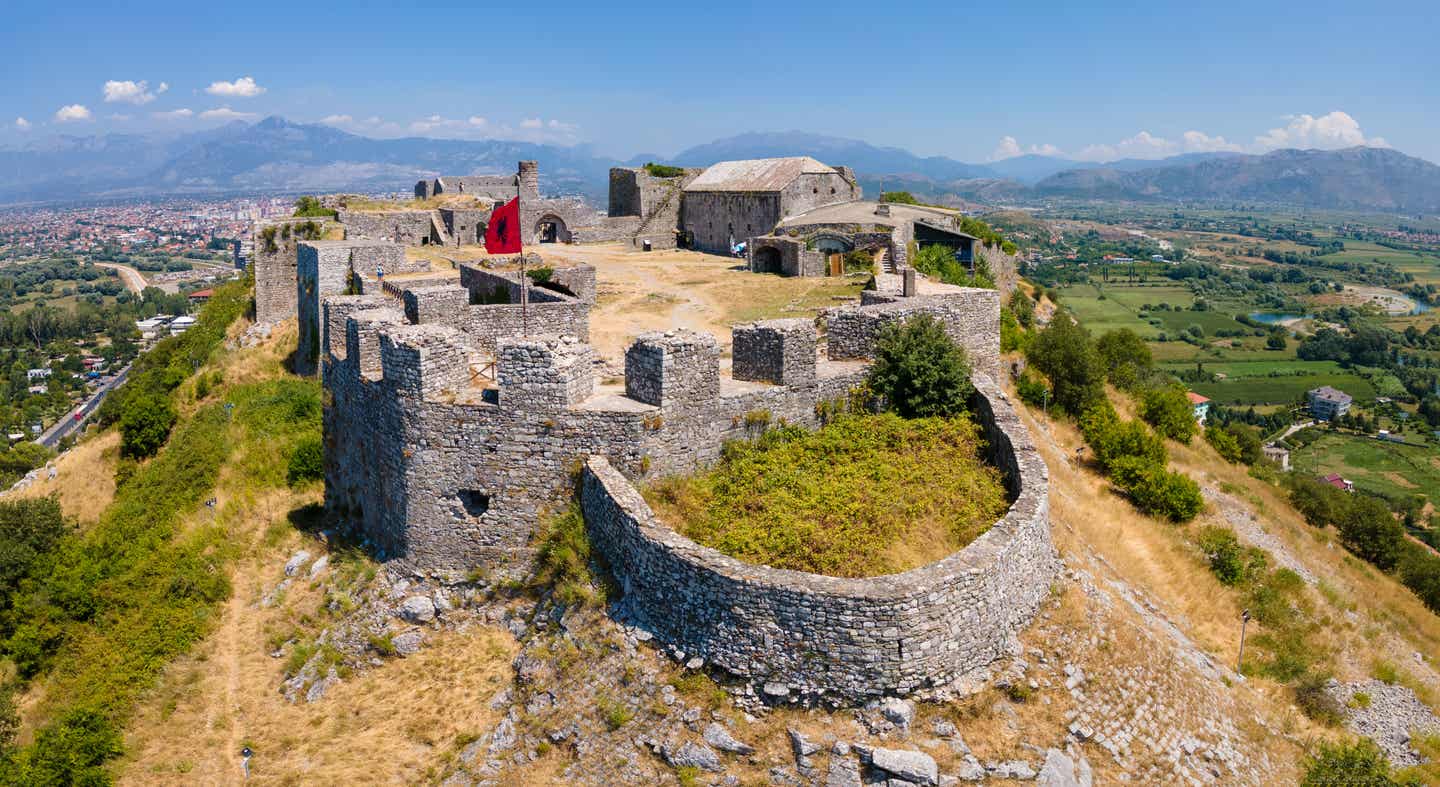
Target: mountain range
{"x": 277, "y": 156}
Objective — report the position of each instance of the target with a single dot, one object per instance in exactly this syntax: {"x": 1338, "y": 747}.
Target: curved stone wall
{"x": 827, "y": 638}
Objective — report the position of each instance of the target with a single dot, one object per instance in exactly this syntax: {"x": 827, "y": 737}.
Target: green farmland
{"x": 1390, "y": 469}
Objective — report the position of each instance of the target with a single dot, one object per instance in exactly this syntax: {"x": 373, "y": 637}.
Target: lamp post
{"x": 1240, "y": 661}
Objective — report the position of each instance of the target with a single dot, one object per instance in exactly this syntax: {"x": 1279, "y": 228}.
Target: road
{"x": 132, "y": 277}
{"x": 57, "y": 431}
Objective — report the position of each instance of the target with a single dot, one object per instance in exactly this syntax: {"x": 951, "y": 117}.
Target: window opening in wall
{"x": 475, "y": 502}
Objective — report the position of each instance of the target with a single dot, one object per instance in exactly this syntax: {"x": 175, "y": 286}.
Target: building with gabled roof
{"x": 733, "y": 201}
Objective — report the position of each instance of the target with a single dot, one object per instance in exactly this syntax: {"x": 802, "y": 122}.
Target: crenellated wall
{"x": 444, "y": 470}
{"x": 425, "y": 413}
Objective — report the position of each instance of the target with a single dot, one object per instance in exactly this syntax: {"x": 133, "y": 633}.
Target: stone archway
{"x": 551, "y": 229}
{"x": 833, "y": 244}
{"x": 768, "y": 259}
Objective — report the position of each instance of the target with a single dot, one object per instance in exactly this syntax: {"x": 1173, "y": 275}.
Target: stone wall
{"x": 851, "y": 332}
{"x": 324, "y": 268}
{"x": 715, "y": 218}
{"x": 406, "y": 227}
{"x": 827, "y": 638}
{"x": 459, "y": 470}
{"x": 273, "y": 263}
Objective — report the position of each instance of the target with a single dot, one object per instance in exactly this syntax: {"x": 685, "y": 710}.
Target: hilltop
{"x": 1127, "y": 671}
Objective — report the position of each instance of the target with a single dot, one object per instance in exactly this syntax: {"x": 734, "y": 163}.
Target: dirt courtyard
{"x": 660, "y": 290}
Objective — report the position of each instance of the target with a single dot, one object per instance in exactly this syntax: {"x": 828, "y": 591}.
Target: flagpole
{"x": 524, "y": 283}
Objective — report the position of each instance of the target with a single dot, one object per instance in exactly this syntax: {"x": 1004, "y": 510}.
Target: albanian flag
{"x": 502, "y": 234}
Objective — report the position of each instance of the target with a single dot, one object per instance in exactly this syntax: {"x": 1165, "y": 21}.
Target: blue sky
{"x": 974, "y": 81}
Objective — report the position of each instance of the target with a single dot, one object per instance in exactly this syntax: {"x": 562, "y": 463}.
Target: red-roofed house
{"x": 200, "y": 296}
{"x": 1201, "y": 405}
{"x": 1336, "y": 481}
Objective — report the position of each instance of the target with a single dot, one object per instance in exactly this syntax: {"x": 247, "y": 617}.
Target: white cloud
{"x": 128, "y": 92}
{"x": 21, "y": 124}
{"x": 1327, "y": 132}
{"x": 225, "y": 113}
{"x": 1009, "y": 147}
{"x": 72, "y": 113}
{"x": 531, "y": 123}
{"x": 433, "y": 123}
{"x": 337, "y": 120}
{"x": 120, "y": 116}
{"x": 476, "y": 120}
{"x": 244, "y": 87}
{"x": 174, "y": 114}
{"x": 1200, "y": 142}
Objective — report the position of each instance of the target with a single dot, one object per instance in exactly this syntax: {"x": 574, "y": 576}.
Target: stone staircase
{"x": 438, "y": 227}
{"x": 885, "y": 261}
{"x": 661, "y": 210}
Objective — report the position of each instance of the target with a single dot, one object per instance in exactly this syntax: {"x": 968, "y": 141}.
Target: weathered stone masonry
{"x": 444, "y": 471}
{"x": 825, "y": 637}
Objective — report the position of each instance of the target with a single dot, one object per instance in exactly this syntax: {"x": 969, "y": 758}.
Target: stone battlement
{"x": 450, "y": 435}
{"x": 415, "y": 396}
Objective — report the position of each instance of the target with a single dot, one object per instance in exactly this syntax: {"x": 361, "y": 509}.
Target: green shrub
{"x": 1158, "y": 491}
{"x": 307, "y": 461}
{"x": 1113, "y": 440}
{"x": 1233, "y": 563}
{"x": 563, "y": 560}
{"x": 663, "y": 170}
{"x": 1223, "y": 442}
{"x": 1368, "y": 529}
{"x": 1419, "y": 569}
{"x": 145, "y": 424}
{"x": 613, "y": 712}
{"x": 1357, "y": 764}
{"x": 1169, "y": 410}
{"x": 1316, "y": 702}
{"x": 1032, "y": 390}
{"x": 919, "y": 370}
{"x": 310, "y": 206}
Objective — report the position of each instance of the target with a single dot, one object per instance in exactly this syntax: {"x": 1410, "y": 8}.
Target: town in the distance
{"x": 522, "y": 406}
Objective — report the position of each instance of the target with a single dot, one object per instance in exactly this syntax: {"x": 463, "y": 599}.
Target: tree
{"x": 919, "y": 370}
{"x": 1223, "y": 442}
{"x": 1368, "y": 530}
{"x": 1064, "y": 353}
{"x": 1276, "y": 340}
{"x": 1126, "y": 357}
{"x": 1169, "y": 410}
{"x": 145, "y": 424}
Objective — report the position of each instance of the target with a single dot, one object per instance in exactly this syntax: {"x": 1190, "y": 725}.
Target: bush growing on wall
{"x": 919, "y": 370}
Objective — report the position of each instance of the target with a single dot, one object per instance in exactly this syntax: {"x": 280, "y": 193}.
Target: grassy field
{"x": 1375, "y": 465}
{"x": 862, "y": 496}
{"x": 1279, "y": 390}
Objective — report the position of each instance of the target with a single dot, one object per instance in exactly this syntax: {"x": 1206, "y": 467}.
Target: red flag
{"x": 502, "y": 234}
